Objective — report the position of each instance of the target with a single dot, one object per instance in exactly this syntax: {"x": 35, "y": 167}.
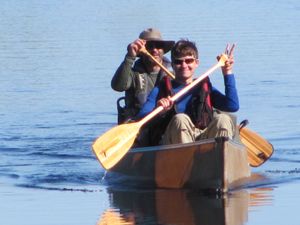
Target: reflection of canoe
{"x": 216, "y": 164}
{"x": 162, "y": 206}
{"x": 175, "y": 207}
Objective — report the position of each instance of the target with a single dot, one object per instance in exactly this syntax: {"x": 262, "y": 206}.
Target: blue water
{"x": 57, "y": 59}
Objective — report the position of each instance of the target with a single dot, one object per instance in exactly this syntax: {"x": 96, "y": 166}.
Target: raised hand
{"x": 228, "y": 68}
{"x": 134, "y": 48}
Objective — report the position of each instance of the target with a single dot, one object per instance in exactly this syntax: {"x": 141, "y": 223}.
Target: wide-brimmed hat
{"x": 154, "y": 35}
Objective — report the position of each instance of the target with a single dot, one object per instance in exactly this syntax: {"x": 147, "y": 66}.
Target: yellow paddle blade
{"x": 115, "y": 143}
{"x": 259, "y": 150}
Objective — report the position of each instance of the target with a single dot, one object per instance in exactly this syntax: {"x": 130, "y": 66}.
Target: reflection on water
{"x": 112, "y": 216}
{"x": 182, "y": 207}
{"x": 261, "y": 196}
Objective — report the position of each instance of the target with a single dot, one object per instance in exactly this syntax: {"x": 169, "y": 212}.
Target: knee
{"x": 181, "y": 120}
{"x": 224, "y": 121}
{"x": 180, "y": 117}
{"x": 222, "y": 126}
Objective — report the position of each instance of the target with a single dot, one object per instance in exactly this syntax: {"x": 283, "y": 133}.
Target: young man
{"x": 138, "y": 77}
{"x": 197, "y": 114}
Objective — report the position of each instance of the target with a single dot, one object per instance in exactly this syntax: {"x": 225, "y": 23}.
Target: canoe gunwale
{"x": 173, "y": 146}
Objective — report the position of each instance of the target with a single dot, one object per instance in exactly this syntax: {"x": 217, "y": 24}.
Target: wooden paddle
{"x": 259, "y": 150}
{"x": 116, "y": 142}
{"x": 144, "y": 51}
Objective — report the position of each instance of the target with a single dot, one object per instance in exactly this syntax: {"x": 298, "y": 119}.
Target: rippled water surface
{"x": 57, "y": 59}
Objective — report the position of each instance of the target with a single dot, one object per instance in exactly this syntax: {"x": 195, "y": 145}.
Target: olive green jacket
{"x": 132, "y": 77}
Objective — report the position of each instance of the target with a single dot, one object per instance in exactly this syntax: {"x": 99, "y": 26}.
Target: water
{"x": 57, "y": 59}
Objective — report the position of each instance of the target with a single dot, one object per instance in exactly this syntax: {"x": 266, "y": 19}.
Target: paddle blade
{"x": 115, "y": 143}
{"x": 259, "y": 150}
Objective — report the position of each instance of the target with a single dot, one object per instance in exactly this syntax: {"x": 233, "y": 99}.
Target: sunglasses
{"x": 187, "y": 61}
{"x": 153, "y": 45}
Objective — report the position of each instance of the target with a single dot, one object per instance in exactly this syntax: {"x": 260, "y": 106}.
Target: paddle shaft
{"x": 183, "y": 91}
{"x": 144, "y": 50}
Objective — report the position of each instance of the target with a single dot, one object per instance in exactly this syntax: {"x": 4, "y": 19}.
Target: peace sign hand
{"x": 228, "y": 68}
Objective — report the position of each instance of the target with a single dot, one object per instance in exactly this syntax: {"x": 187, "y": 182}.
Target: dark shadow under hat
{"x": 154, "y": 35}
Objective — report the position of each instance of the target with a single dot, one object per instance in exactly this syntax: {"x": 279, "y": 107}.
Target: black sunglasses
{"x": 187, "y": 61}
{"x": 154, "y": 44}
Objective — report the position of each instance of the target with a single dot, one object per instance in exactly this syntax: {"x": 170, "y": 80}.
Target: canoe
{"x": 216, "y": 164}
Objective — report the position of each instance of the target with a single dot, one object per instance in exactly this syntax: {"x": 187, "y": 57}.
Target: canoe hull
{"x": 215, "y": 164}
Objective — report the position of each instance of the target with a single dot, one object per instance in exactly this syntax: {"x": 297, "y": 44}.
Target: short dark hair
{"x": 183, "y": 48}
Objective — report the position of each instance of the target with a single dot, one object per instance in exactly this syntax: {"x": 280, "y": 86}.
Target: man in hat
{"x": 137, "y": 77}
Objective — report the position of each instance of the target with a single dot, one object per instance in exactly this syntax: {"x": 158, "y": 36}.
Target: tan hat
{"x": 154, "y": 35}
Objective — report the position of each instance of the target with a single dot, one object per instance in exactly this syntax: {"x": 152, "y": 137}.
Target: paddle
{"x": 116, "y": 142}
{"x": 144, "y": 51}
{"x": 259, "y": 150}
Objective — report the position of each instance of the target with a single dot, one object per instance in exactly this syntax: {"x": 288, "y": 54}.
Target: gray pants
{"x": 182, "y": 130}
